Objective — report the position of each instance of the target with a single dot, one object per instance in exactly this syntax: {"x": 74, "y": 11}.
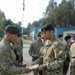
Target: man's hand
{"x": 41, "y": 67}
{"x": 27, "y": 70}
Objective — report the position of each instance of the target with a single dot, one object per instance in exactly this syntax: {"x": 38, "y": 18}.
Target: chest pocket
{"x": 51, "y": 52}
{"x": 4, "y": 56}
{"x": 58, "y": 51}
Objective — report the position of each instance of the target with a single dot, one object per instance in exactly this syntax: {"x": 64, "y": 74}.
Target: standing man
{"x": 8, "y": 63}
{"x": 60, "y": 36}
{"x": 17, "y": 47}
{"x": 34, "y": 50}
{"x": 72, "y": 59}
{"x": 53, "y": 53}
{"x": 67, "y": 49}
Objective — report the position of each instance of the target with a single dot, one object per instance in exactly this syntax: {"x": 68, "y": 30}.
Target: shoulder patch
{"x": 4, "y": 56}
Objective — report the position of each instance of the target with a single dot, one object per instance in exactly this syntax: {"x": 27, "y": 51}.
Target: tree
{"x": 61, "y": 16}
{"x": 19, "y": 23}
{"x": 29, "y": 26}
{"x": 2, "y": 15}
{"x": 9, "y": 22}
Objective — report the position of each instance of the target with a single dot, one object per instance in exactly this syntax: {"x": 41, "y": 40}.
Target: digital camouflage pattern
{"x": 67, "y": 58}
{"x": 18, "y": 52}
{"x": 8, "y": 63}
{"x": 72, "y": 57}
{"x": 67, "y": 47}
{"x": 34, "y": 50}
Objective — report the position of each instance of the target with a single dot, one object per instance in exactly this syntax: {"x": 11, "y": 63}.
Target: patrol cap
{"x": 39, "y": 34}
{"x": 19, "y": 34}
{"x": 47, "y": 28}
{"x": 12, "y": 29}
{"x": 67, "y": 37}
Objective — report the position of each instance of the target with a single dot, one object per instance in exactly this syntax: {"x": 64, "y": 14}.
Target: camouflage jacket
{"x": 67, "y": 47}
{"x": 67, "y": 50}
{"x": 53, "y": 57}
{"x": 35, "y": 48}
{"x": 72, "y": 57}
{"x": 72, "y": 53}
{"x": 18, "y": 52}
{"x": 8, "y": 63}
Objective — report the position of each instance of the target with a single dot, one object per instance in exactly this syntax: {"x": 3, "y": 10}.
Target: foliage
{"x": 27, "y": 41}
{"x": 4, "y": 22}
{"x": 62, "y": 15}
{"x": 2, "y": 15}
{"x": 26, "y": 31}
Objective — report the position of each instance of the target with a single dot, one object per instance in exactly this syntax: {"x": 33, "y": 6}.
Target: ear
{"x": 8, "y": 33}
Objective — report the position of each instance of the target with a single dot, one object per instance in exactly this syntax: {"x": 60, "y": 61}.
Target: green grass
{"x": 27, "y": 41}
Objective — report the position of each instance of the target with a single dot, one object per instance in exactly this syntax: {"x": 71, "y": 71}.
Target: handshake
{"x": 32, "y": 66}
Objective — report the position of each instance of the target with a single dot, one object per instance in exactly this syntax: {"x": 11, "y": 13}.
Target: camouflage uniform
{"x": 35, "y": 50}
{"x": 8, "y": 63}
{"x": 18, "y": 52}
{"x": 53, "y": 57}
{"x": 67, "y": 58}
{"x": 72, "y": 57}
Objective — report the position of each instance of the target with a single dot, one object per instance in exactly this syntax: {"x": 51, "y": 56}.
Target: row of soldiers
{"x": 51, "y": 58}
{"x": 55, "y": 54}
{"x": 67, "y": 44}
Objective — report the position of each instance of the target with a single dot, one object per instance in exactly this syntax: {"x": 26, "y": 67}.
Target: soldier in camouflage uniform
{"x": 67, "y": 49}
{"x": 53, "y": 53}
{"x": 17, "y": 48}
{"x": 43, "y": 39}
{"x": 60, "y": 36}
{"x": 34, "y": 50}
{"x": 72, "y": 59}
{"x": 8, "y": 63}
